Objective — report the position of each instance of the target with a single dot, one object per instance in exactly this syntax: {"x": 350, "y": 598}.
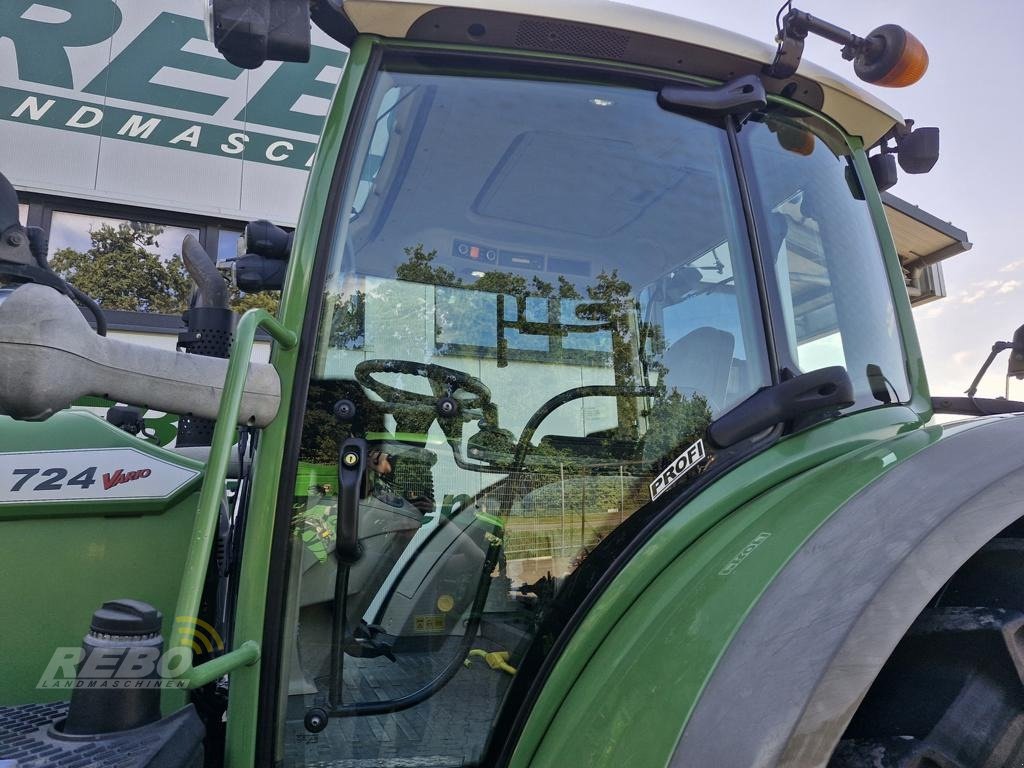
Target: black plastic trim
{"x": 500, "y": 29}
{"x": 330, "y": 16}
{"x": 277, "y": 575}
{"x": 755, "y": 250}
{"x": 976, "y": 406}
{"x": 801, "y": 397}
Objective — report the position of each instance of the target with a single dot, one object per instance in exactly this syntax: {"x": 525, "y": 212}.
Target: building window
{"x": 227, "y": 244}
{"x": 133, "y": 266}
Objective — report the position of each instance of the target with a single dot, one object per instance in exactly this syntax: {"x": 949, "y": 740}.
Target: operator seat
{"x": 700, "y": 362}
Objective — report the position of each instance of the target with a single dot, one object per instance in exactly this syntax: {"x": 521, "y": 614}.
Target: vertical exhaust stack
{"x": 210, "y": 329}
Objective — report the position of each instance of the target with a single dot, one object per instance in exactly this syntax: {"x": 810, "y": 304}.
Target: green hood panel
{"x": 98, "y": 469}
{"x": 86, "y": 551}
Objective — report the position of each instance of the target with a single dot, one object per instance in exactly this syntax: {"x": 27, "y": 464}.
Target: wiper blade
{"x": 826, "y": 390}
{"x": 741, "y": 95}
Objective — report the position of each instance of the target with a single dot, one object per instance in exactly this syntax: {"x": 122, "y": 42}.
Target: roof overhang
{"x": 611, "y": 31}
{"x": 922, "y": 241}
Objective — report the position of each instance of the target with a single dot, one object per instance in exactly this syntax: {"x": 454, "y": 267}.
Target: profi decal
{"x": 684, "y": 462}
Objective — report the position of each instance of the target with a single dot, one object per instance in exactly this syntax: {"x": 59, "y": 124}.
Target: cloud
{"x": 1013, "y": 266}
{"x": 963, "y": 356}
{"x": 970, "y": 298}
{"x": 930, "y": 311}
{"x": 1009, "y": 286}
{"x": 978, "y": 291}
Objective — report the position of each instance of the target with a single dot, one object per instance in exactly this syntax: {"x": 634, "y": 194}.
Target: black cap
{"x": 133, "y": 618}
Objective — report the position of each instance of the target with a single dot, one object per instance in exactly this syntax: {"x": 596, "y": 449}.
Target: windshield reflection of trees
{"x": 649, "y": 433}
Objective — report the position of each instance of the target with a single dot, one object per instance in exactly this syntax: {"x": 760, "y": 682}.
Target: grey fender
{"x": 805, "y": 656}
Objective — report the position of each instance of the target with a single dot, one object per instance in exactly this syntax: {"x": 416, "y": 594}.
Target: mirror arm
{"x": 998, "y": 347}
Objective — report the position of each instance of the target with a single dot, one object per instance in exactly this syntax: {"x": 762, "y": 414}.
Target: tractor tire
{"x": 952, "y": 693}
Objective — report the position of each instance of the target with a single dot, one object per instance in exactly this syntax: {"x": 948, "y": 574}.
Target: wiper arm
{"x": 814, "y": 393}
{"x": 739, "y": 96}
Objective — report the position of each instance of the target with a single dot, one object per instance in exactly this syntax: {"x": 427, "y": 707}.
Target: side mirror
{"x": 1015, "y": 368}
{"x": 250, "y": 32}
{"x": 267, "y": 239}
{"x": 883, "y": 169}
{"x": 263, "y": 264}
{"x": 8, "y": 205}
{"x": 918, "y": 150}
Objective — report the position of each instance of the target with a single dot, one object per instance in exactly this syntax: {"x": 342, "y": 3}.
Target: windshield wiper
{"x": 739, "y": 96}
{"x": 817, "y": 393}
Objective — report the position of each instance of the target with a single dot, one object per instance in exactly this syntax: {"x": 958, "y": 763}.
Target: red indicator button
{"x": 474, "y": 252}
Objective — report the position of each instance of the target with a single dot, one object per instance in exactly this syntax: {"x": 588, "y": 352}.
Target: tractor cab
{"x": 556, "y": 296}
{"x": 557, "y": 274}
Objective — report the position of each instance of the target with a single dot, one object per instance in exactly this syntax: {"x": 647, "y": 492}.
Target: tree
{"x": 241, "y": 302}
{"x": 120, "y": 272}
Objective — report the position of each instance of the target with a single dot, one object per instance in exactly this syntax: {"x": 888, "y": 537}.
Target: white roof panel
{"x": 859, "y": 112}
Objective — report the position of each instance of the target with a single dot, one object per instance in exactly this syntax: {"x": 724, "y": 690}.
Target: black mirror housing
{"x": 1015, "y": 368}
{"x": 267, "y": 239}
{"x": 254, "y": 273}
{"x": 883, "y": 169}
{"x": 251, "y": 32}
{"x": 918, "y": 151}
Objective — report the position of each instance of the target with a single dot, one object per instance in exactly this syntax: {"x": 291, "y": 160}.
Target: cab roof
{"x": 613, "y": 31}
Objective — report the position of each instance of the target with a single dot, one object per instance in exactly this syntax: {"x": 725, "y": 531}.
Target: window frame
{"x": 41, "y": 208}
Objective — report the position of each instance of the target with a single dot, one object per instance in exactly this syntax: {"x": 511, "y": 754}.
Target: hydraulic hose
{"x": 87, "y": 301}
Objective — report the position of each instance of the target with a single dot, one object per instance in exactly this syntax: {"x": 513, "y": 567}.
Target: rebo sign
{"x": 138, "y": 91}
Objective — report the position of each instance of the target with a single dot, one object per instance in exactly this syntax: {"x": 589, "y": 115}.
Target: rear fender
{"x": 798, "y": 667}
{"x": 730, "y": 656}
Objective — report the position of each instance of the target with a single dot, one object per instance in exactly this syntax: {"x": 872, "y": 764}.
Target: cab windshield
{"x": 541, "y": 292}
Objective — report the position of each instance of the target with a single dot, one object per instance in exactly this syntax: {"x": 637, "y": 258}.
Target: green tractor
{"x": 595, "y": 431}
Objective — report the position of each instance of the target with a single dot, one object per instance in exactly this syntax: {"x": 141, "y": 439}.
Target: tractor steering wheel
{"x": 444, "y": 382}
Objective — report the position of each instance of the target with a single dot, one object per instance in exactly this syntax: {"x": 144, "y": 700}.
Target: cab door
{"x": 538, "y": 293}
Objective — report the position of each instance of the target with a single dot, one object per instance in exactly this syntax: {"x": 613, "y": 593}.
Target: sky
{"x": 971, "y": 93}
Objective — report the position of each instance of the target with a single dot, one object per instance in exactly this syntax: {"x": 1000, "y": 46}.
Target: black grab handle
{"x": 351, "y": 468}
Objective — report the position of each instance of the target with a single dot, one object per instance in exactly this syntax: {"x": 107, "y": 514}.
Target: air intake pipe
{"x": 50, "y": 357}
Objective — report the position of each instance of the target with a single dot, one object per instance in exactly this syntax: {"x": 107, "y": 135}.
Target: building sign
{"x": 127, "y": 101}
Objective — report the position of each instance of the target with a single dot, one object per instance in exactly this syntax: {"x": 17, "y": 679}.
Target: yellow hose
{"x": 494, "y": 659}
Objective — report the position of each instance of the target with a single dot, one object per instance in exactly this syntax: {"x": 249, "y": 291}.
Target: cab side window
{"x": 825, "y": 263}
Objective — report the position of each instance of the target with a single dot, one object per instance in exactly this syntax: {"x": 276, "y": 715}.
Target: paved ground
{"x": 448, "y": 729}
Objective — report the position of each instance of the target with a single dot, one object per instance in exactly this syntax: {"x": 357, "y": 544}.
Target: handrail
{"x": 198, "y": 560}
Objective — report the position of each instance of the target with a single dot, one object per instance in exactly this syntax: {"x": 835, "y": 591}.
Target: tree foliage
{"x": 121, "y": 270}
